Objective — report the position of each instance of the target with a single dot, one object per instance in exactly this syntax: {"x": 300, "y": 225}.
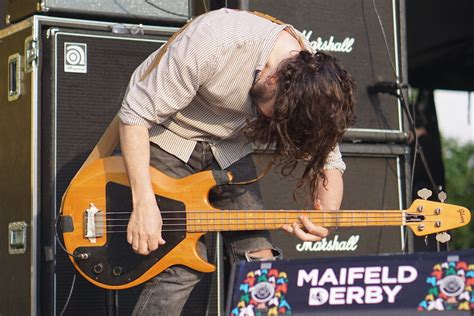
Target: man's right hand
{"x": 144, "y": 227}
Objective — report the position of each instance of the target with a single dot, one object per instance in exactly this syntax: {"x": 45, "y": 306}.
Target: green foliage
{"x": 459, "y": 168}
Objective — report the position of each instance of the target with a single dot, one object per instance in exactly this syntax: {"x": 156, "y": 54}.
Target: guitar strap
{"x": 110, "y": 138}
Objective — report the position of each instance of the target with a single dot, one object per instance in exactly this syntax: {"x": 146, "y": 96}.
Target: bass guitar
{"x": 97, "y": 205}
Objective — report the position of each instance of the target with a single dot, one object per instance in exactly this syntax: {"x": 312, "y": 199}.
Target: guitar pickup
{"x": 93, "y": 223}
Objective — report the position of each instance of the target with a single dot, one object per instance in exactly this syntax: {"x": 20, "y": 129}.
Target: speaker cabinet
{"x": 374, "y": 180}
{"x": 350, "y": 31}
{"x": 84, "y": 76}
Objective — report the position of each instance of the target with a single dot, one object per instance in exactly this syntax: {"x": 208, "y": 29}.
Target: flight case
{"x": 62, "y": 83}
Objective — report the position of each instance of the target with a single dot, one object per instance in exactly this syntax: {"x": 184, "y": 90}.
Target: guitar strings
{"x": 269, "y": 211}
{"x": 244, "y": 226}
{"x": 167, "y": 228}
{"x": 323, "y": 218}
{"x": 268, "y": 220}
{"x": 275, "y": 221}
{"x": 303, "y": 212}
{"x": 195, "y": 230}
{"x": 377, "y": 218}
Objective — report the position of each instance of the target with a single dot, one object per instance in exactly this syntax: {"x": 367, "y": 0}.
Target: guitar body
{"x": 111, "y": 263}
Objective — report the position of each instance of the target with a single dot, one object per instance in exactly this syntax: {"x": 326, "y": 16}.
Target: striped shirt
{"x": 199, "y": 90}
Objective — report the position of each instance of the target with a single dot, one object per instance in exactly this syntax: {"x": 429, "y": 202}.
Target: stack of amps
{"x": 65, "y": 68}
{"x": 367, "y": 37}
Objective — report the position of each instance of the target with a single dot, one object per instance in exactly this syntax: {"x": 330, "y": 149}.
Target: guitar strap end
{"x": 222, "y": 177}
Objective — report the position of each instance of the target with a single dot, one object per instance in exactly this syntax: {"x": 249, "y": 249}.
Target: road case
{"x": 62, "y": 83}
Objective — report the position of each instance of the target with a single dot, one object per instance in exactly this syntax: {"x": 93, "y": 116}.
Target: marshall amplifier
{"x": 374, "y": 180}
{"x": 350, "y": 31}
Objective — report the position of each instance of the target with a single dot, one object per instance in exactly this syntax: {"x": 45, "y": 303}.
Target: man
{"x": 231, "y": 77}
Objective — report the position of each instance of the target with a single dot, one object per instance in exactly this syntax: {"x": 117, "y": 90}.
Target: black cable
{"x": 166, "y": 11}
{"x": 72, "y": 255}
{"x": 206, "y": 9}
{"x": 70, "y": 294}
{"x": 384, "y": 39}
{"x": 413, "y": 166}
{"x": 123, "y": 8}
{"x": 59, "y": 240}
{"x": 411, "y": 121}
{"x": 418, "y": 148}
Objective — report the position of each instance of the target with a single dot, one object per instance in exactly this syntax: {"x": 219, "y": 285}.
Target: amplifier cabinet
{"x": 350, "y": 31}
{"x": 138, "y": 11}
{"x": 62, "y": 83}
{"x": 375, "y": 179}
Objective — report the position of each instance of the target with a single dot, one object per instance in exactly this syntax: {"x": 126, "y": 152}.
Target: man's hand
{"x": 311, "y": 232}
{"x": 144, "y": 227}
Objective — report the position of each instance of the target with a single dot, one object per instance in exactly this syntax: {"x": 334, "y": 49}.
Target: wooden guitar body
{"x": 111, "y": 262}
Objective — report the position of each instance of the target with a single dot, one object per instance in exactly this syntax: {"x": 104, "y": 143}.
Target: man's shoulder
{"x": 237, "y": 23}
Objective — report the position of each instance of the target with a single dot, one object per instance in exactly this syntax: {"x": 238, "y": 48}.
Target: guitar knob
{"x": 117, "y": 271}
{"x": 98, "y": 268}
{"x": 424, "y": 193}
{"x": 442, "y": 196}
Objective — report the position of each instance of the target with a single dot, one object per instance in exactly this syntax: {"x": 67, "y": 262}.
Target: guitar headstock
{"x": 428, "y": 217}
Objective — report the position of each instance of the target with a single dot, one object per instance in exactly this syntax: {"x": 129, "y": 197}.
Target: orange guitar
{"x": 97, "y": 206}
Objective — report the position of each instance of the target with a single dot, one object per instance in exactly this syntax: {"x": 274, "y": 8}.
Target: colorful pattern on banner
{"x": 263, "y": 293}
{"x": 450, "y": 287}
{"x": 415, "y": 282}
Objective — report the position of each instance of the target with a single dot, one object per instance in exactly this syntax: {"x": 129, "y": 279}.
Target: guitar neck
{"x": 229, "y": 220}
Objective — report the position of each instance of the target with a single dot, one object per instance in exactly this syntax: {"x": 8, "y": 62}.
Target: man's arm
{"x": 330, "y": 198}
{"x": 168, "y": 89}
{"x": 331, "y": 195}
{"x": 144, "y": 227}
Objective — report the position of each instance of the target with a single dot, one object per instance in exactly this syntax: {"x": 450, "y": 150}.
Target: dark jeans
{"x": 167, "y": 293}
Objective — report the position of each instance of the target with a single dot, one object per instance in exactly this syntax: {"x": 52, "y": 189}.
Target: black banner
{"x": 412, "y": 283}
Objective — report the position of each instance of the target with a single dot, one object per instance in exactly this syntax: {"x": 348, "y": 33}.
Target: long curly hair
{"x": 314, "y": 107}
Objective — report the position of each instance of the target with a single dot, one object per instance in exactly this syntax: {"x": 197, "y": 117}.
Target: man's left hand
{"x": 309, "y": 231}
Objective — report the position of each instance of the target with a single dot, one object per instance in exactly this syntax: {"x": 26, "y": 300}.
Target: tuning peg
{"x": 442, "y": 196}
{"x": 443, "y": 237}
{"x": 424, "y": 193}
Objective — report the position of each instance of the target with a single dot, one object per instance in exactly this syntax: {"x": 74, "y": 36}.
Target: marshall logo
{"x": 461, "y": 215}
{"x": 330, "y": 45}
{"x": 330, "y": 245}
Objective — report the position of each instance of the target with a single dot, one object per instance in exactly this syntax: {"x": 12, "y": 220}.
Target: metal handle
{"x": 14, "y": 77}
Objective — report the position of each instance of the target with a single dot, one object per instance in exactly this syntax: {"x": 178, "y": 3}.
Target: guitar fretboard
{"x": 229, "y": 220}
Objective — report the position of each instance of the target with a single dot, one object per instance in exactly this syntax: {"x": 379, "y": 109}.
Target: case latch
{"x": 31, "y": 53}
{"x": 17, "y": 237}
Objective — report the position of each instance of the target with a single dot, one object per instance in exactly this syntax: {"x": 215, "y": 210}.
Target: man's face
{"x": 263, "y": 95}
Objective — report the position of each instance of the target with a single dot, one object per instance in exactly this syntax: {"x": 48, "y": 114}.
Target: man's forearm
{"x": 331, "y": 195}
{"x": 135, "y": 144}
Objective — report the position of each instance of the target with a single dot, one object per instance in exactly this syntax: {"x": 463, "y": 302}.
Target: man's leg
{"x": 248, "y": 245}
{"x": 167, "y": 293}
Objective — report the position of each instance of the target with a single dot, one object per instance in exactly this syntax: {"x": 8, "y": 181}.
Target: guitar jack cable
{"x": 81, "y": 256}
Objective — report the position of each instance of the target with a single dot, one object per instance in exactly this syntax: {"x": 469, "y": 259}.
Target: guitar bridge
{"x": 93, "y": 228}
